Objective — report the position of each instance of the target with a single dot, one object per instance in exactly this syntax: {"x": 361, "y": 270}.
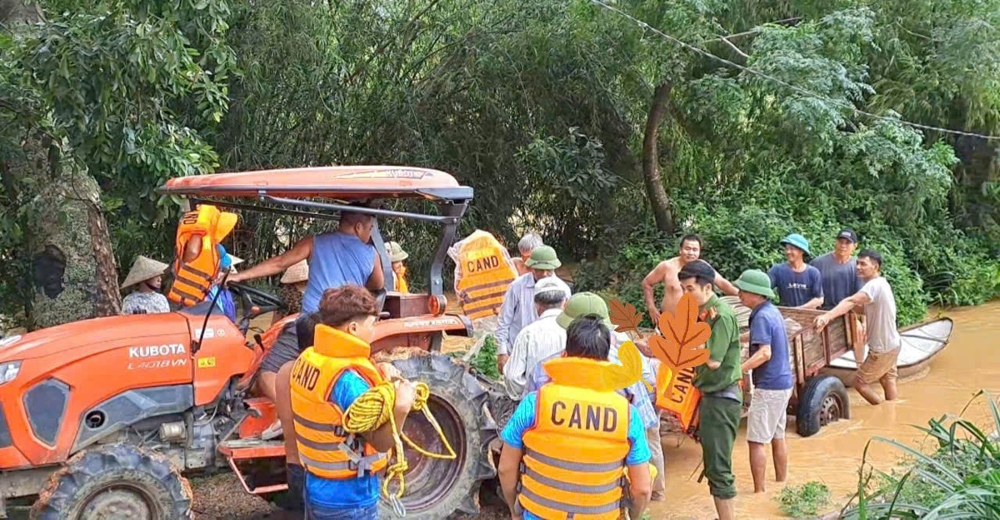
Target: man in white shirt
{"x": 539, "y": 340}
{"x": 518, "y": 309}
{"x": 883, "y": 336}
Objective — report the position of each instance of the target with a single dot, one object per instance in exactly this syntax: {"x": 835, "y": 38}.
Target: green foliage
{"x": 803, "y": 501}
{"x": 541, "y": 107}
{"x": 485, "y": 361}
{"x": 960, "y": 479}
{"x": 126, "y": 86}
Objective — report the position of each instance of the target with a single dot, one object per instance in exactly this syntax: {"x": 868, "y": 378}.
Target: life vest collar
{"x": 331, "y": 342}
{"x": 602, "y": 376}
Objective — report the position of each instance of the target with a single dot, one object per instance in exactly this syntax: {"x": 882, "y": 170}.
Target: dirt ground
{"x": 222, "y": 498}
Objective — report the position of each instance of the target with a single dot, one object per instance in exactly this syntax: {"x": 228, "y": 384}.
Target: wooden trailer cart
{"x": 817, "y": 399}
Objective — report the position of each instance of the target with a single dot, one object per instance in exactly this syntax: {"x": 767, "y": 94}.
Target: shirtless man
{"x": 666, "y": 273}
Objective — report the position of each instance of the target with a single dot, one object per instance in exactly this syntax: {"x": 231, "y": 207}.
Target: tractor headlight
{"x": 9, "y": 370}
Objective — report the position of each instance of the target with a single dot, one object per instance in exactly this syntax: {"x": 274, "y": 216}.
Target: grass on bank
{"x": 803, "y": 501}
{"x": 960, "y": 479}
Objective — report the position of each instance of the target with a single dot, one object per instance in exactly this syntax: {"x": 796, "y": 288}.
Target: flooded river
{"x": 969, "y": 364}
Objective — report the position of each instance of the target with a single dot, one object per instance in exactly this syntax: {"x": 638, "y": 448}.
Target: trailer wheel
{"x": 823, "y": 401}
{"x": 439, "y": 488}
{"x": 115, "y": 482}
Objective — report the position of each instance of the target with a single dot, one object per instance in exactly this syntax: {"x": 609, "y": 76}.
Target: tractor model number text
{"x": 161, "y": 363}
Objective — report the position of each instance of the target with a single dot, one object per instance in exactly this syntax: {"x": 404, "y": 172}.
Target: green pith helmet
{"x": 755, "y": 281}
{"x": 543, "y": 258}
{"x": 581, "y": 304}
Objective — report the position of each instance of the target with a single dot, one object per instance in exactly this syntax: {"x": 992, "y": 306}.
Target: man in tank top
{"x": 335, "y": 259}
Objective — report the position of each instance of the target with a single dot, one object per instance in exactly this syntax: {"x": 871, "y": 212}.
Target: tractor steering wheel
{"x": 255, "y": 302}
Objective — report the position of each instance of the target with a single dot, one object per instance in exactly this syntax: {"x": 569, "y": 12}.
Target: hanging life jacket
{"x": 680, "y": 399}
{"x": 574, "y": 456}
{"x": 326, "y": 450}
{"x": 196, "y": 257}
{"x": 483, "y": 270}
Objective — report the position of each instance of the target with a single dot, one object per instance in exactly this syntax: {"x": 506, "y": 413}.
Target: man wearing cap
{"x": 798, "y": 283}
{"x": 718, "y": 380}
{"x": 839, "y": 270}
{"x": 397, "y": 256}
{"x": 146, "y": 274}
{"x": 540, "y": 339}
{"x": 587, "y": 303}
{"x": 666, "y": 273}
{"x": 772, "y": 378}
{"x": 518, "y": 308}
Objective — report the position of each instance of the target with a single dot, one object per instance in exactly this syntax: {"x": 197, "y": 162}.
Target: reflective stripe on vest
{"x": 482, "y": 273}
{"x": 193, "y": 279}
{"x": 586, "y": 482}
{"x": 326, "y": 450}
{"x": 190, "y": 285}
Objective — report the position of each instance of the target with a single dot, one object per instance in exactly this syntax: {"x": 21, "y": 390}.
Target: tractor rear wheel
{"x": 441, "y": 488}
{"x": 115, "y": 482}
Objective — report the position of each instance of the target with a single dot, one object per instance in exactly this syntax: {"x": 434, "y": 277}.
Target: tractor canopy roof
{"x": 336, "y": 182}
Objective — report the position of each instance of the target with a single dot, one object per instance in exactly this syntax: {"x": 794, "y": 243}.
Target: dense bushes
{"x": 541, "y": 106}
{"x": 739, "y": 240}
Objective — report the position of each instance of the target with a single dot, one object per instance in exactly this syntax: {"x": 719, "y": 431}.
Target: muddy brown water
{"x": 833, "y": 456}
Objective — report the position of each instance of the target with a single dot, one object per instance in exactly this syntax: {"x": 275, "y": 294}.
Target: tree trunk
{"x": 73, "y": 269}
{"x": 651, "y": 160}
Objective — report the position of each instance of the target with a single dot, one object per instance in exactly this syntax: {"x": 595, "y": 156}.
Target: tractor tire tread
{"x": 451, "y": 381}
{"x": 92, "y": 469}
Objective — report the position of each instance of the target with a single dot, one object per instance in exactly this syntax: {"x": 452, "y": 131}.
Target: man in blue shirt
{"x": 798, "y": 283}
{"x": 589, "y": 338}
{"x": 344, "y": 257}
{"x": 772, "y": 378}
{"x": 839, "y": 270}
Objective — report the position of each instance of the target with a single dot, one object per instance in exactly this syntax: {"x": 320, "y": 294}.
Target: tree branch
{"x": 787, "y": 22}
{"x": 735, "y": 48}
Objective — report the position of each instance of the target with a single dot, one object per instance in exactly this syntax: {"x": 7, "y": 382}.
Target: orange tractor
{"x": 105, "y": 418}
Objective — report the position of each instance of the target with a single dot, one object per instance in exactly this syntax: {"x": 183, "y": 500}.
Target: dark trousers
{"x": 718, "y": 423}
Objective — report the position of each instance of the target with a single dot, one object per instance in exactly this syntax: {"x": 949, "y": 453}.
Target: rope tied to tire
{"x": 373, "y": 409}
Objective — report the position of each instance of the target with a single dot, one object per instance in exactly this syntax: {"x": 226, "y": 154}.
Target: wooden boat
{"x": 921, "y": 344}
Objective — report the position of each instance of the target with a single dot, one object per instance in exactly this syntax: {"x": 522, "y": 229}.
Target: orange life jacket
{"x": 574, "y": 456}
{"x": 325, "y": 449}
{"x": 682, "y": 400}
{"x": 483, "y": 270}
{"x": 193, "y": 278}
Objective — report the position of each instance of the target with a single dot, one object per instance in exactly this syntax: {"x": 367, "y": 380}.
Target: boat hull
{"x": 921, "y": 343}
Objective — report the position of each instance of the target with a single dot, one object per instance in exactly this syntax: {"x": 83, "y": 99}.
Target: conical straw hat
{"x": 296, "y": 273}
{"x": 143, "y": 269}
